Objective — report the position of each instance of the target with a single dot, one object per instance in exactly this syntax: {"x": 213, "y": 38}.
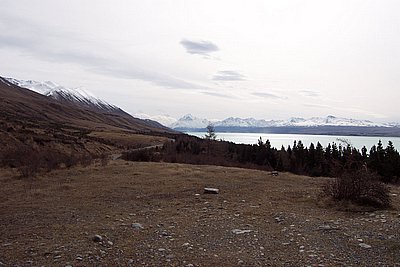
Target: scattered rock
{"x": 363, "y": 245}
{"x": 209, "y": 190}
{"x": 97, "y": 238}
{"x": 239, "y": 231}
{"x": 327, "y": 227}
{"x": 279, "y": 219}
{"x": 137, "y": 226}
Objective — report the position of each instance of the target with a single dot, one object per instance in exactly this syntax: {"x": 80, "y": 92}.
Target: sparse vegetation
{"x": 360, "y": 187}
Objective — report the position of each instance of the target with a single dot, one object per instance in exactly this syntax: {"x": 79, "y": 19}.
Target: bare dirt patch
{"x": 155, "y": 214}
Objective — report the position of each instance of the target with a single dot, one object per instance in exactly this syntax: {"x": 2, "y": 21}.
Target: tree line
{"x": 315, "y": 160}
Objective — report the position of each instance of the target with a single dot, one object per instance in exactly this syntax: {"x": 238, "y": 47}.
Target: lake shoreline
{"x": 279, "y": 140}
{"x": 309, "y": 130}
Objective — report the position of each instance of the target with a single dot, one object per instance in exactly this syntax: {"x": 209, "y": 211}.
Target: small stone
{"x": 209, "y": 190}
{"x": 363, "y": 245}
{"x": 189, "y": 265}
{"x": 97, "y": 238}
{"x": 137, "y": 226}
{"x": 239, "y": 231}
{"x": 185, "y": 244}
{"x": 79, "y": 258}
{"x": 110, "y": 243}
{"x": 161, "y": 249}
{"x": 164, "y": 233}
{"x": 360, "y": 240}
{"x": 57, "y": 257}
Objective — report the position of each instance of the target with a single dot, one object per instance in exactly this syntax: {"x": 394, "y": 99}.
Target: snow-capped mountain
{"x": 163, "y": 119}
{"x": 191, "y": 122}
{"x": 75, "y": 95}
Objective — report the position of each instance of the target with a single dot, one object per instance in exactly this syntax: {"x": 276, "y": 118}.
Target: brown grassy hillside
{"x": 30, "y": 121}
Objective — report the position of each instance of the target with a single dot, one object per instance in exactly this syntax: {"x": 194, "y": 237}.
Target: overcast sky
{"x": 214, "y": 59}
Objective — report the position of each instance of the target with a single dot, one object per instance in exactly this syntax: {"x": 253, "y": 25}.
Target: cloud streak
{"x": 228, "y": 75}
{"x": 269, "y": 95}
{"x": 218, "y": 95}
{"x": 203, "y": 48}
{"x": 309, "y": 93}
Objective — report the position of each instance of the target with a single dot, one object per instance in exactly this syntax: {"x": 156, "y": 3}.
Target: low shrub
{"x": 361, "y": 187}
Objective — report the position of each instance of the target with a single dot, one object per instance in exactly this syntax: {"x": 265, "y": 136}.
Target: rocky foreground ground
{"x": 156, "y": 214}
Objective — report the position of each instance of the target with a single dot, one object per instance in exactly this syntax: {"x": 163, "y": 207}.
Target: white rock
{"x": 239, "y": 231}
{"x": 209, "y": 190}
{"x": 137, "y": 226}
{"x": 363, "y": 245}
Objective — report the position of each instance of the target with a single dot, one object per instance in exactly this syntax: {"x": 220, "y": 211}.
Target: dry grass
{"x": 57, "y": 215}
{"x": 128, "y": 139}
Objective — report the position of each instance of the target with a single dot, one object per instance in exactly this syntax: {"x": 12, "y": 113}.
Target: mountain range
{"x": 191, "y": 122}
{"x": 315, "y": 125}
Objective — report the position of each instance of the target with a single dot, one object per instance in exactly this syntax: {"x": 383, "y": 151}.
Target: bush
{"x": 361, "y": 187}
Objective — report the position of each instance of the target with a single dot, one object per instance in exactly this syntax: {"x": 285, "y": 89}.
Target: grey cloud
{"x": 199, "y": 47}
{"x": 309, "y": 93}
{"x": 228, "y": 75}
{"x": 50, "y": 45}
{"x": 269, "y": 95}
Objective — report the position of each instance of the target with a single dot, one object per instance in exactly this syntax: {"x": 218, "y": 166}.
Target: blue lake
{"x": 278, "y": 140}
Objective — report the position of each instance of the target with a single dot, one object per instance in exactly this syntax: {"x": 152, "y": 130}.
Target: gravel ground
{"x": 156, "y": 214}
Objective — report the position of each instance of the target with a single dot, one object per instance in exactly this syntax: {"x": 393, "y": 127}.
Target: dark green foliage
{"x": 332, "y": 161}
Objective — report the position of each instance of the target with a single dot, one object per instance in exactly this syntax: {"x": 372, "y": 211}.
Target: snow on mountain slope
{"x": 189, "y": 121}
{"x": 76, "y": 95}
